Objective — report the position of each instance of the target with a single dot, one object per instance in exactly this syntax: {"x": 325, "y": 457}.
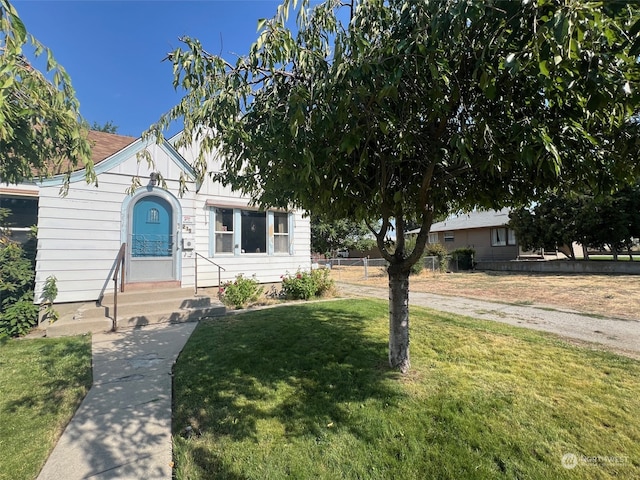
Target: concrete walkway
{"x": 621, "y": 336}
{"x": 122, "y": 429}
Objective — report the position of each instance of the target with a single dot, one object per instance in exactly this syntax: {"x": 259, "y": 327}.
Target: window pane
{"x": 281, "y": 243}
{"x": 254, "y": 232}
{"x": 224, "y": 220}
{"x": 281, "y": 223}
{"x": 512, "y": 237}
{"x": 224, "y": 242}
{"x": 498, "y": 237}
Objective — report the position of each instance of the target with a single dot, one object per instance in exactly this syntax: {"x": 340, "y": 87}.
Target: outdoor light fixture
{"x": 153, "y": 178}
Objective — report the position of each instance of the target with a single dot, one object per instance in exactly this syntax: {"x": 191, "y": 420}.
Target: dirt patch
{"x": 606, "y": 295}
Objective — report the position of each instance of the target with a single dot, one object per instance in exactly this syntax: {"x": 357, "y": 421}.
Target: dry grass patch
{"x": 606, "y": 295}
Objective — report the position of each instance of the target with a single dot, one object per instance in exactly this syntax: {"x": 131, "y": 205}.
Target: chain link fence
{"x": 373, "y": 266}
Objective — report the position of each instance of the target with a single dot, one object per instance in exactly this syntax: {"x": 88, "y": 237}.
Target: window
{"x": 280, "y": 232}
{"x": 449, "y": 237}
{"x": 498, "y": 237}
{"x": 248, "y": 232}
{"x": 224, "y": 230}
{"x": 501, "y": 237}
{"x": 433, "y": 237}
{"x": 153, "y": 216}
{"x": 253, "y": 232}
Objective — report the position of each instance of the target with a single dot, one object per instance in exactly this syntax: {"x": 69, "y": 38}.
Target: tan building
{"x": 487, "y": 232}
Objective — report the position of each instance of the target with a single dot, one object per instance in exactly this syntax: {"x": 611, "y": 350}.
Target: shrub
{"x": 323, "y": 282}
{"x": 440, "y": 251}
{"x": 300, "y": 286}
{"x": 18, "y": 314}
{"x": 464, "y": 257}
{"x": 240, "y": 292}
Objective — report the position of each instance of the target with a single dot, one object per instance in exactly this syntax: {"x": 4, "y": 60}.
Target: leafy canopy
{"x": 40, "y": 128}
{"x": 401, "y": 110}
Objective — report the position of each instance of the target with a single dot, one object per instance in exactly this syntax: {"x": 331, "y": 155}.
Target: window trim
{"x": 270, "y": 234}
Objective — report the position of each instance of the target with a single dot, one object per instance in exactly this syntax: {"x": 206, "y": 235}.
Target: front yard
{"x": 304, "y": 392}
{"x": 42, "y": 382}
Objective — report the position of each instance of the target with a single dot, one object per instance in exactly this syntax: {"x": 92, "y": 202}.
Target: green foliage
{"x": 108, "y": 127}
{"x": 403, "y": 110}
{"x": 440, "y": 251}
{"x": 329, "y": 236}
{"x": 596, "y": 221}
{"x": 464, "y": 258}
{"x": 40, "y": 128}
{"x": 240, "y": 292}
{"x": 305, "y": 285}
{"x": 18, "y": 314}
{"x": 48, "y": 296}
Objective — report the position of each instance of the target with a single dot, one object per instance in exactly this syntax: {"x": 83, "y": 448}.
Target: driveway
{"x": 620, "y": 336}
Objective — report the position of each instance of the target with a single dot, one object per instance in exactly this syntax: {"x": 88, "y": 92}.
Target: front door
{"x": 152, "y": 248}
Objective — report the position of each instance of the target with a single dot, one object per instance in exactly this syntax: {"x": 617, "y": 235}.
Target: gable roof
{"x": 465, "y": 221}
{"x": 103, "y": 144}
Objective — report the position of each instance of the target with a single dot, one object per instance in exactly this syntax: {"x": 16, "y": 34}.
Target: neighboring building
{"x": 487, "y": 232}
{"x": 79, "y": 235}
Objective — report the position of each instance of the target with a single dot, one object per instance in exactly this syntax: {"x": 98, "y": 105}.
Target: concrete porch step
{"x": 137, "y": 308}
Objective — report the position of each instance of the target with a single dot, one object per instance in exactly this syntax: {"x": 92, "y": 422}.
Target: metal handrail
{"x": 119, "y": 271}
{"x": 213, "y": 263}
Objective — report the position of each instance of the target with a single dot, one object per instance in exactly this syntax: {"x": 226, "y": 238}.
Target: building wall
{"x": 79, "y": 235}
{"x": 480, "y": 240}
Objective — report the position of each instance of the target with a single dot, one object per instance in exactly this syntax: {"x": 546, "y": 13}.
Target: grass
{"x": 304, "y": 392}
{"x": 42, "y": 382}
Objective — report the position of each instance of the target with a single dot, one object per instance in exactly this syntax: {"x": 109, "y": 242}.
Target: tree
{"x": 108, "y": 127}
{"x": 550, "y": 224}
{"x": 329, "y": 236}
{"x": 400, "y": 110}
{"x": 40, "y": 128}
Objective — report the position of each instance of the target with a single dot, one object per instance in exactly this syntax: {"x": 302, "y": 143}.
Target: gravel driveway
{"x": 620, "y": 336}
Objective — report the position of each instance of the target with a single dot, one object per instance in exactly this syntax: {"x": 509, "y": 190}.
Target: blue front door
{"x": 151, "y": 242}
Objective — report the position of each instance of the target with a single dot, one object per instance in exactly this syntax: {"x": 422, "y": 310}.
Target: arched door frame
{"x": 126, "y": 220}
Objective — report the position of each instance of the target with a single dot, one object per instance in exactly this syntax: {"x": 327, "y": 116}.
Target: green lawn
{"x": 41, "y": 385}
{"x": 304, "y": 392}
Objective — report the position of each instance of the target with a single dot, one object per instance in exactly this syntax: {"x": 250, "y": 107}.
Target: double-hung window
{"x": 280, "y": 232}
{"x": 223, "y": 230}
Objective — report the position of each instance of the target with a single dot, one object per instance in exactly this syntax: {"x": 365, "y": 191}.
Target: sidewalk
{"x": 122, "y": 429}
{"x": 620, "y": 336}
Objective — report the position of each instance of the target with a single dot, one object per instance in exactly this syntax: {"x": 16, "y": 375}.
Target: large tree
{"x": 41, "y": 131}
{"x": 401, "y": 110}
{"x": 329, "y": 236}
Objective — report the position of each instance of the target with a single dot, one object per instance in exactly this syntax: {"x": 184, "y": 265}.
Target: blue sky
{"x": 113, "y": 50}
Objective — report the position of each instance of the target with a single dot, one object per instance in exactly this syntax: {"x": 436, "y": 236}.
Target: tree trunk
{"x": 399, "y": 318}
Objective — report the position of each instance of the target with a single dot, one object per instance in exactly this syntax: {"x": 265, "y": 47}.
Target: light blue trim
{"x": 292, "y": 222}
{"x": 212, "y": 231}
{"x": 126, "y": 214}
{"x": 237, "y": 234}
{"x": 270, "y": 233}
{"x": 123, "y": 155}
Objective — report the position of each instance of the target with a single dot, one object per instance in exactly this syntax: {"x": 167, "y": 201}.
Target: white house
{"x": 80, "y": 234}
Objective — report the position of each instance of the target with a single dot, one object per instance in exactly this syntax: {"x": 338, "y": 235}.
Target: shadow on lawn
{"x": 64, "y": 364}
{"x": 306, "y": 368}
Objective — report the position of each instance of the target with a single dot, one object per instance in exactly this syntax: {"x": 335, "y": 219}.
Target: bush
{"x": 304, "y": 285}
{"x": 439, "y": 251}
{"x": 322, "y": 279}
{"x": 18, "y": 314}
{"x": 240, "y": 292}
{"x": 464, "y": 257}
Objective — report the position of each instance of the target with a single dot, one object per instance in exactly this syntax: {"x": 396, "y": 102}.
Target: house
{"x": 487, "y": 232}
{"x": 208, "y": 235}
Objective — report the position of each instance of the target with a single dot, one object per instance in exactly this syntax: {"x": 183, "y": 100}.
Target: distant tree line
{"x": 608, "y": 222}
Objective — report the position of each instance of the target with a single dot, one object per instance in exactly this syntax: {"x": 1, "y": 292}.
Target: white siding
{"x": 79, "y": 235}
